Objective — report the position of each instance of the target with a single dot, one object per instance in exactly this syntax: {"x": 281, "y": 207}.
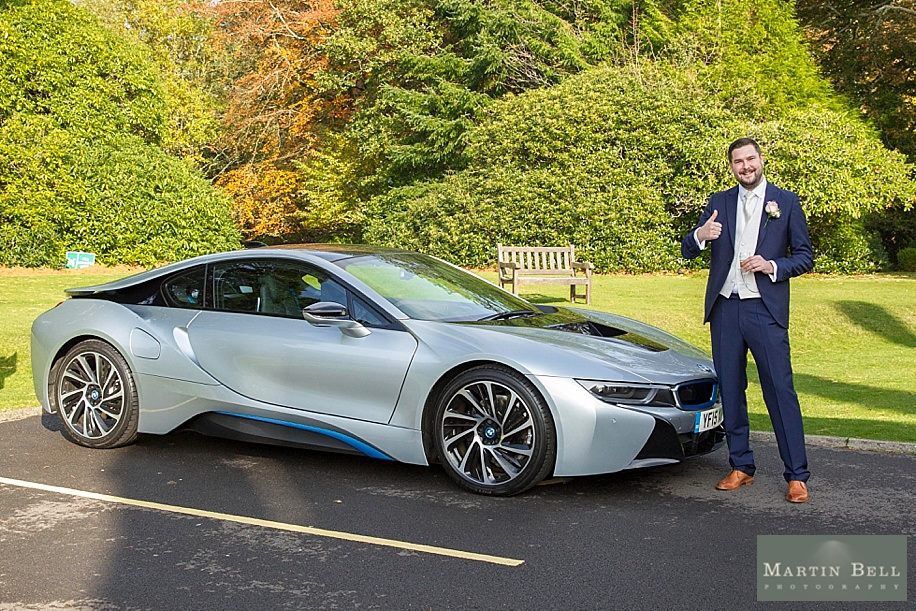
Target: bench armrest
{"x": 582, "y": 265}
{"x": 508, "y": 265}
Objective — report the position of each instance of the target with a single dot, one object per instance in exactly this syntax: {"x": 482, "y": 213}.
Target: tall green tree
{"x": 753, "y": 52}
{"x": 421, "y": 70}
{"x": 867, "y": 50}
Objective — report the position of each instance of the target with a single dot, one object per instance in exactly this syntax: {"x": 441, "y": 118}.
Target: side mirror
{"x": 331, "y": 314}
{"x": 325, "y": 309}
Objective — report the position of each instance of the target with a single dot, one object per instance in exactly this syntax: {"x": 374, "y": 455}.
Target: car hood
{"x": 585, "y": 344}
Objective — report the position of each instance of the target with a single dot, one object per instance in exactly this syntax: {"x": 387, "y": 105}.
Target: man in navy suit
{"x": 759, "y": 239}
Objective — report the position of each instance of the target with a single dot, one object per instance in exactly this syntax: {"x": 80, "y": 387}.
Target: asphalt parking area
{"x": 642, "y": 539}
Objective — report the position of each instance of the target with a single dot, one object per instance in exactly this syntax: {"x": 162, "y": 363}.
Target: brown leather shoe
{"x": 735, "y": 480}
{"x": 798, "y": 492}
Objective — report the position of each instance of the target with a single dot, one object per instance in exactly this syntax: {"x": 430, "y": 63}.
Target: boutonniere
{"x": 772, "y": 210}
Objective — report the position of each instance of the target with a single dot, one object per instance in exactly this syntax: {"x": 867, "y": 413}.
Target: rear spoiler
{"x": 82, "y": 291}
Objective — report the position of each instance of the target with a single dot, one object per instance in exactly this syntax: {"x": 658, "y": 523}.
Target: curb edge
{"x": 848, "y": 443}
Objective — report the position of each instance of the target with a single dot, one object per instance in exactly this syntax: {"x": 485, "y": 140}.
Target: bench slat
{"x": 544, "y": 272}
{"x": 558, "y": 280}
{"x": 544, "y": 265}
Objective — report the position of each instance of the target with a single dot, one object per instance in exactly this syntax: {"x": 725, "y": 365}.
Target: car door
{"x": 253, "y": 339}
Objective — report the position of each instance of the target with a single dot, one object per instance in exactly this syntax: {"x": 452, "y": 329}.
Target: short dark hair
{"x": 742, "y": 142}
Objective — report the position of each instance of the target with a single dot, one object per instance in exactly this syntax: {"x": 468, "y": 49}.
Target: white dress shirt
{"x": 746, "y": 234}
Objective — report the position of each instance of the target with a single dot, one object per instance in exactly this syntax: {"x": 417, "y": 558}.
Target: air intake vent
{"x": 598, "y": 330}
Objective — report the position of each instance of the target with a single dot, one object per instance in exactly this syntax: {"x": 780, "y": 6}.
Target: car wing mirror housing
{"x": 331, "y": 314}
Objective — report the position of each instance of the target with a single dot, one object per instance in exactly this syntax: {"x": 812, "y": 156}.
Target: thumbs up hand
{"x": 710, "y": 230}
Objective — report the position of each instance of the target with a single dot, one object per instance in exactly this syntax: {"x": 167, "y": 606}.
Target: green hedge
{"x": 81, "y": 119}
{"x": 617, "y": 225}
{"x": 59, "y": 62}
{"x": 120, "y": 198}
{"x": 907, "y": 259}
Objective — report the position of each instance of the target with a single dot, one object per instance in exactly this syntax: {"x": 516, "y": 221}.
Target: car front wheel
{"x": 95, "y": 396}
{"x": 494, "y": 432}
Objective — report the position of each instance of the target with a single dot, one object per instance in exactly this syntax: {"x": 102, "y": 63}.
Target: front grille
{"x": 697, "y": 395}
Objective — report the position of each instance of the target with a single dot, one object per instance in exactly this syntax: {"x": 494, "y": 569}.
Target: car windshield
{"x": 425, "y": 288}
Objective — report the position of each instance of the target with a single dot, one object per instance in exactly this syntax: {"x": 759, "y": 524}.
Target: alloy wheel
{"x": 488, "y": 433}
{"x": 90, "y": 395}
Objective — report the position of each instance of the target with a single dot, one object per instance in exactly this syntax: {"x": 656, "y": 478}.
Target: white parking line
{"x": 308, "y": 530}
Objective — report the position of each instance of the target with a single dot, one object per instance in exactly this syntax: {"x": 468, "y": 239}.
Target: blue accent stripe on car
{"x": 354, "y": 443}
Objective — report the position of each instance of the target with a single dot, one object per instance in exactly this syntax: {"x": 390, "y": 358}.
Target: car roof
{"x": 333, "y": 252}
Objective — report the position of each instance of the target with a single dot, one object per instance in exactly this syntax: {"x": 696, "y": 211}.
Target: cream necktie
{"x": 747, "y": 203}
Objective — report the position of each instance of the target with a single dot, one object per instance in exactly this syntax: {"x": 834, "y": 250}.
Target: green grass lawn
{"x": 853, "y": 339}
{"x": 24, "y": 294}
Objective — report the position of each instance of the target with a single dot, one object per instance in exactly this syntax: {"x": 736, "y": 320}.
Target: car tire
{"x": 498, "y": 451}
{"x": 95, "y": 396}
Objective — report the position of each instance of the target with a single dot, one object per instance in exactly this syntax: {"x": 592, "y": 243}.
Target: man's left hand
{"x": 757, "y": 264}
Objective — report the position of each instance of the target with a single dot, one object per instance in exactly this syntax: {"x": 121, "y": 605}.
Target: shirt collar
{"x": 760, "y": 190}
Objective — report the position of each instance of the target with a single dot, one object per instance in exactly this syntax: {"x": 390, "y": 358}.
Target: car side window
{"x": 235, "y": 286}
{"x": 272, "y": 287}
{"x": 365, "y": 314}
{"x": 185, "y": 290}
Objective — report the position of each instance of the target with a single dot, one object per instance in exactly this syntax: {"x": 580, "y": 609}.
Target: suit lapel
{"x": 764, "y": 221}
{"x": 731, "y": 210}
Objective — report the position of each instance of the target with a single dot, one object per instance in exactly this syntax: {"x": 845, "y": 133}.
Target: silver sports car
{"x": 391, "y": 354}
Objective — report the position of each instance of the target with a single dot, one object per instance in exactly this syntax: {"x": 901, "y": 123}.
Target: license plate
{"x": 710, "y": 419}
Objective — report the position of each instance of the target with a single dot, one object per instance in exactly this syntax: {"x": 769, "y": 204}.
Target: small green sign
{"x": 77, "y": 259}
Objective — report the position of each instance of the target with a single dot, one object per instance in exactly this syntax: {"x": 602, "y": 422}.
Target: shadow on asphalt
{"x": 189, "y": 447}
{"x": 51, "y": 422}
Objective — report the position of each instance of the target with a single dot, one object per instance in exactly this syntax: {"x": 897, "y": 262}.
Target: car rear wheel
{"x": 494, "y": 432}
{"x": 95, "y": 396}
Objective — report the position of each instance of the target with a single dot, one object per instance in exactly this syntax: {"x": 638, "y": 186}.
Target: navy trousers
{"x": 735, "y": 326}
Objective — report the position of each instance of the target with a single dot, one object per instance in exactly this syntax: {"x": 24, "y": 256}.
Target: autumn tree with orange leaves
{"x": 275, "y": 119}
{"x": 335, "y": 103}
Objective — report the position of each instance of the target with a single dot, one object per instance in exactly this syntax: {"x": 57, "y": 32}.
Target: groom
{"x": 759, "y": 239}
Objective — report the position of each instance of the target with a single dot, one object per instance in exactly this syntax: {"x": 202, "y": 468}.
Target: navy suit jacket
{"x": 783, "y": 240}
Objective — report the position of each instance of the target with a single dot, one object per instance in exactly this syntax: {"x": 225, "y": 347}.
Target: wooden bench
{"x": 520, "y": 265}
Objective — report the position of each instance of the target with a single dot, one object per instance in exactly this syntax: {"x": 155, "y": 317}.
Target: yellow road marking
{"x": 227, "y": 517}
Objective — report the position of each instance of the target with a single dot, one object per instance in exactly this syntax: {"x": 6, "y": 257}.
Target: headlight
{"x": 630, "y": 394}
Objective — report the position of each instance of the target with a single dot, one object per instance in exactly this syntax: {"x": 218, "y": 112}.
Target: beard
{"x": 751, "y": 179}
